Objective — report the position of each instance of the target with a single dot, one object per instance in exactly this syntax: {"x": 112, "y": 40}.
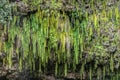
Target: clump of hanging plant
{"x": 70, "y": 43}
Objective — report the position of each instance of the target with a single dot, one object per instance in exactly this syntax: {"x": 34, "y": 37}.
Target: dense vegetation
{"x": 62, "y": 37}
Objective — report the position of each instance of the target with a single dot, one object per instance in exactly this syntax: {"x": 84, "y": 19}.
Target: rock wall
{"x": 94, "y": 30}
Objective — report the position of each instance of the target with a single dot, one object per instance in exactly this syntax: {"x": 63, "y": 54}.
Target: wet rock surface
{"x": 108, "y": 44}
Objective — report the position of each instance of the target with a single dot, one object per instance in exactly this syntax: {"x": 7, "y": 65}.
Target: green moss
{"x": 49, "y": 35}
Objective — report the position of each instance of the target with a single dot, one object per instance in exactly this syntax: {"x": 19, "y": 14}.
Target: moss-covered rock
{"x": 5, "y": 11}
{"x": 64, "y": 38}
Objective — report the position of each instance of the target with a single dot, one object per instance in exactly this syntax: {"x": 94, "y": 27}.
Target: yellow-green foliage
{"x": 48, "y": 35}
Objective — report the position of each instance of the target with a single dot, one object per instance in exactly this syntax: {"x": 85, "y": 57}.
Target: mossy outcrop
{"x": 61, "y": 39}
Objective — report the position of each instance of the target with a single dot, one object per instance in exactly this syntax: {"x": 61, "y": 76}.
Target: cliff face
{"x": 59, "y": 39}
